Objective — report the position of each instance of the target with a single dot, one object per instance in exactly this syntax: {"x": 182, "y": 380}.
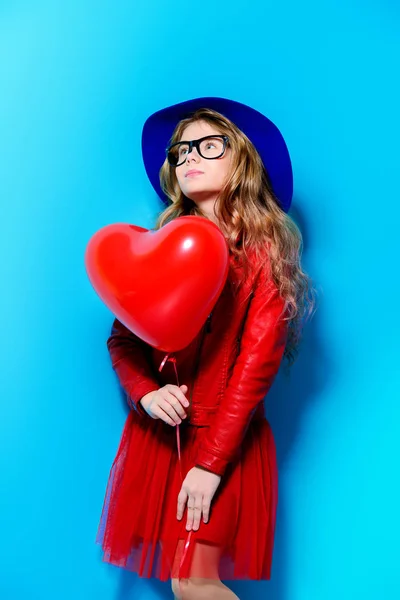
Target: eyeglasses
{"x": 209, "y": 147}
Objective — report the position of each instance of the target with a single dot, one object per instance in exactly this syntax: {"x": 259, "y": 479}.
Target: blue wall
{"x": 78, "y": 79}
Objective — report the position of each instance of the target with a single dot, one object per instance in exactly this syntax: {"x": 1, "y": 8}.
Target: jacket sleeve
{"x": 262, "y": 346}
{"x": 130, "y": 357}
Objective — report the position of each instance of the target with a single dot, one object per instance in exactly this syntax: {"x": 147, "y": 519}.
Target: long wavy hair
{"x": 251, "y": 219}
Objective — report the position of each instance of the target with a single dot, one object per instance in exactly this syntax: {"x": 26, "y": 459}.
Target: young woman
{"x": 215, "y": 518}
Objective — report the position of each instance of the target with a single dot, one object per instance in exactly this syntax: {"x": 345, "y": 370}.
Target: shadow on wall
{"x": 290, "y": 397}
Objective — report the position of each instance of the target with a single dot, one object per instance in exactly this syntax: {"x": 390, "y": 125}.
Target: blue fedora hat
{"x": 265, "y": 136}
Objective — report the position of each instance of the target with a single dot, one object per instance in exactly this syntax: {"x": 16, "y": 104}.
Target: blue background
{"x": 77, "y": 82}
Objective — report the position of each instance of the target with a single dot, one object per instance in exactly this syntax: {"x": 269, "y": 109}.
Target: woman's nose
{"x": 192, "y": 154}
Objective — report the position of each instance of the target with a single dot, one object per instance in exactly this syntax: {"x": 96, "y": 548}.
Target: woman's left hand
{"x": 198, "y": 489}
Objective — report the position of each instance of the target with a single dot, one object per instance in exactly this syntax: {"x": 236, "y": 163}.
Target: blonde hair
{"x": 250, "y": 217}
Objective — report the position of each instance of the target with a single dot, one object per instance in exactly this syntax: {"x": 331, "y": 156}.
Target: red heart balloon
{"x": 160, "y": 284}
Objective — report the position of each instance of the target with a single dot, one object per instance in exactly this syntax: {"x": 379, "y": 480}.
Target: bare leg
{"x": 204, "y": 582}
{"x": 197, "y": 588}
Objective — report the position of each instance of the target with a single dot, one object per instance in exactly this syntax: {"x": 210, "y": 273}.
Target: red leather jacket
{"x": 228, "y": 368}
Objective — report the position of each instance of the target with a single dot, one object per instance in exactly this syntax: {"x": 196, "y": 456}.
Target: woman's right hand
{"x": 167, "y": 403}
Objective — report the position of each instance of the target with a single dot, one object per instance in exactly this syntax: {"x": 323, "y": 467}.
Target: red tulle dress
{"x": 139, "y": 529}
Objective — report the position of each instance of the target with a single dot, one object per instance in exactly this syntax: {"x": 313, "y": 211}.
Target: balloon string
{"x": 189, "y": 536}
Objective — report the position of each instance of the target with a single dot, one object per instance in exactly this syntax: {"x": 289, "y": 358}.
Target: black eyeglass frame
{"x": 196, "y": 144}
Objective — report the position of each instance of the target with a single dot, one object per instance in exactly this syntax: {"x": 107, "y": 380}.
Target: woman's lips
{"x": 194, "y": 174}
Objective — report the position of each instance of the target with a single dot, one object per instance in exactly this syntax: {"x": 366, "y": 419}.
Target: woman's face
{"x": 203, "y": 188}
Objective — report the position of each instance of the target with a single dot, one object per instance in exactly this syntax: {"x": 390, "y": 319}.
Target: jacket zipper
{"x": 206, "y": 329}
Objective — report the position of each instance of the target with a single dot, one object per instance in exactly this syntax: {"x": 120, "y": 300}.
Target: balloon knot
{"x": 166, "y": 358}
